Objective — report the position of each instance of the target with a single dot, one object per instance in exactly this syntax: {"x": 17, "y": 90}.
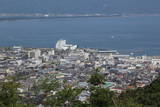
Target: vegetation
{"x": 101, "y": 97}
{"x": 97, "y": 78}
{"x": 46, "y": 85}
{"x": 8, "y": 94}
{"x": 66, "y": 97}
{"x": 148, "y": 96}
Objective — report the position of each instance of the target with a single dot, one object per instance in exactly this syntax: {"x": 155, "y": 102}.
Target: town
{"x": 74, "y": 65}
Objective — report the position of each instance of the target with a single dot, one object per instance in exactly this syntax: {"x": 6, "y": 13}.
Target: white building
{"x": 50, "y": 53}
{"x": 62, "y": 45}
{"x": 34, "y": 54}
{"x": 156, "y": 61}
{"x": 2, "y": 56}
{"x": 17, "y": 48}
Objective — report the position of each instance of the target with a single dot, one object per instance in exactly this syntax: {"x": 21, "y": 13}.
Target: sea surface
{"x": 138, "y": 34}
{"x": 80, "y": 6}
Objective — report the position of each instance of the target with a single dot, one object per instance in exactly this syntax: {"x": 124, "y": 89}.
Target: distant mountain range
{"x": 80, "y": 6}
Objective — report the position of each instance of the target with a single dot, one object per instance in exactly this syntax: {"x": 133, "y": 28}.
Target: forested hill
{"x": 148, "y": 96}
{"x": 80, "y": 6}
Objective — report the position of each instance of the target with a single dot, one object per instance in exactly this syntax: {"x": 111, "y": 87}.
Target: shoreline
{"x": 36, "y": 16}
{"x": 135, "y": 52}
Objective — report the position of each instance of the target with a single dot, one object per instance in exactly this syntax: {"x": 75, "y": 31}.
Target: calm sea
{"x": 127, "y": 34}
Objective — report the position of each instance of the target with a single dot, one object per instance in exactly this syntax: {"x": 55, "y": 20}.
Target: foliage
{"x": 48, "y": 85}
{"x": 45, "y": 85}
{"x": 148, "y": 96}
{"x": 97, "y": 79}
{"x": 101, "y": 97}
{"x": 8, "y": 93}
{"x": 127, "y": 103}
{"x": 66, "y": 97}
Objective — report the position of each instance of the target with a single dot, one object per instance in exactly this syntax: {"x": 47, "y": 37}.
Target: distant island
{"x": 18, "y": 16}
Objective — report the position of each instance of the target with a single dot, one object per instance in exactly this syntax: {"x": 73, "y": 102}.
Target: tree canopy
{"x": 9, "y": 93}
{"x": 96, "y": 78}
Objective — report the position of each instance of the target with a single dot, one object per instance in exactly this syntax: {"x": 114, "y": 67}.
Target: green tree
{"x": 66, "y": 98}
{"x": 43, "y": 89}
{"x": 9, "y": 94}
{"x": 46, "y": 85}
{"x": 128, "y": 102}
{"x": 97, "y": 79}
{"x": 101, "y": 97}
{"x": 148, "y": 96}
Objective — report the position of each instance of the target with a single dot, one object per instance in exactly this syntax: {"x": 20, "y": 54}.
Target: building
{"x": 17, "y": 48}
{"x": 34, "y": 54}
{"x": 62, "y": 45}
{"x": 50, "y": 53}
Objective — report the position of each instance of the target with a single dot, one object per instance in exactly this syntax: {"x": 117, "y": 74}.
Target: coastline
{"x": 20, "y": 16}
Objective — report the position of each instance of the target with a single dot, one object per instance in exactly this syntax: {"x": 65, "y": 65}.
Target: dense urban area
{"x": 69, "y": 76}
